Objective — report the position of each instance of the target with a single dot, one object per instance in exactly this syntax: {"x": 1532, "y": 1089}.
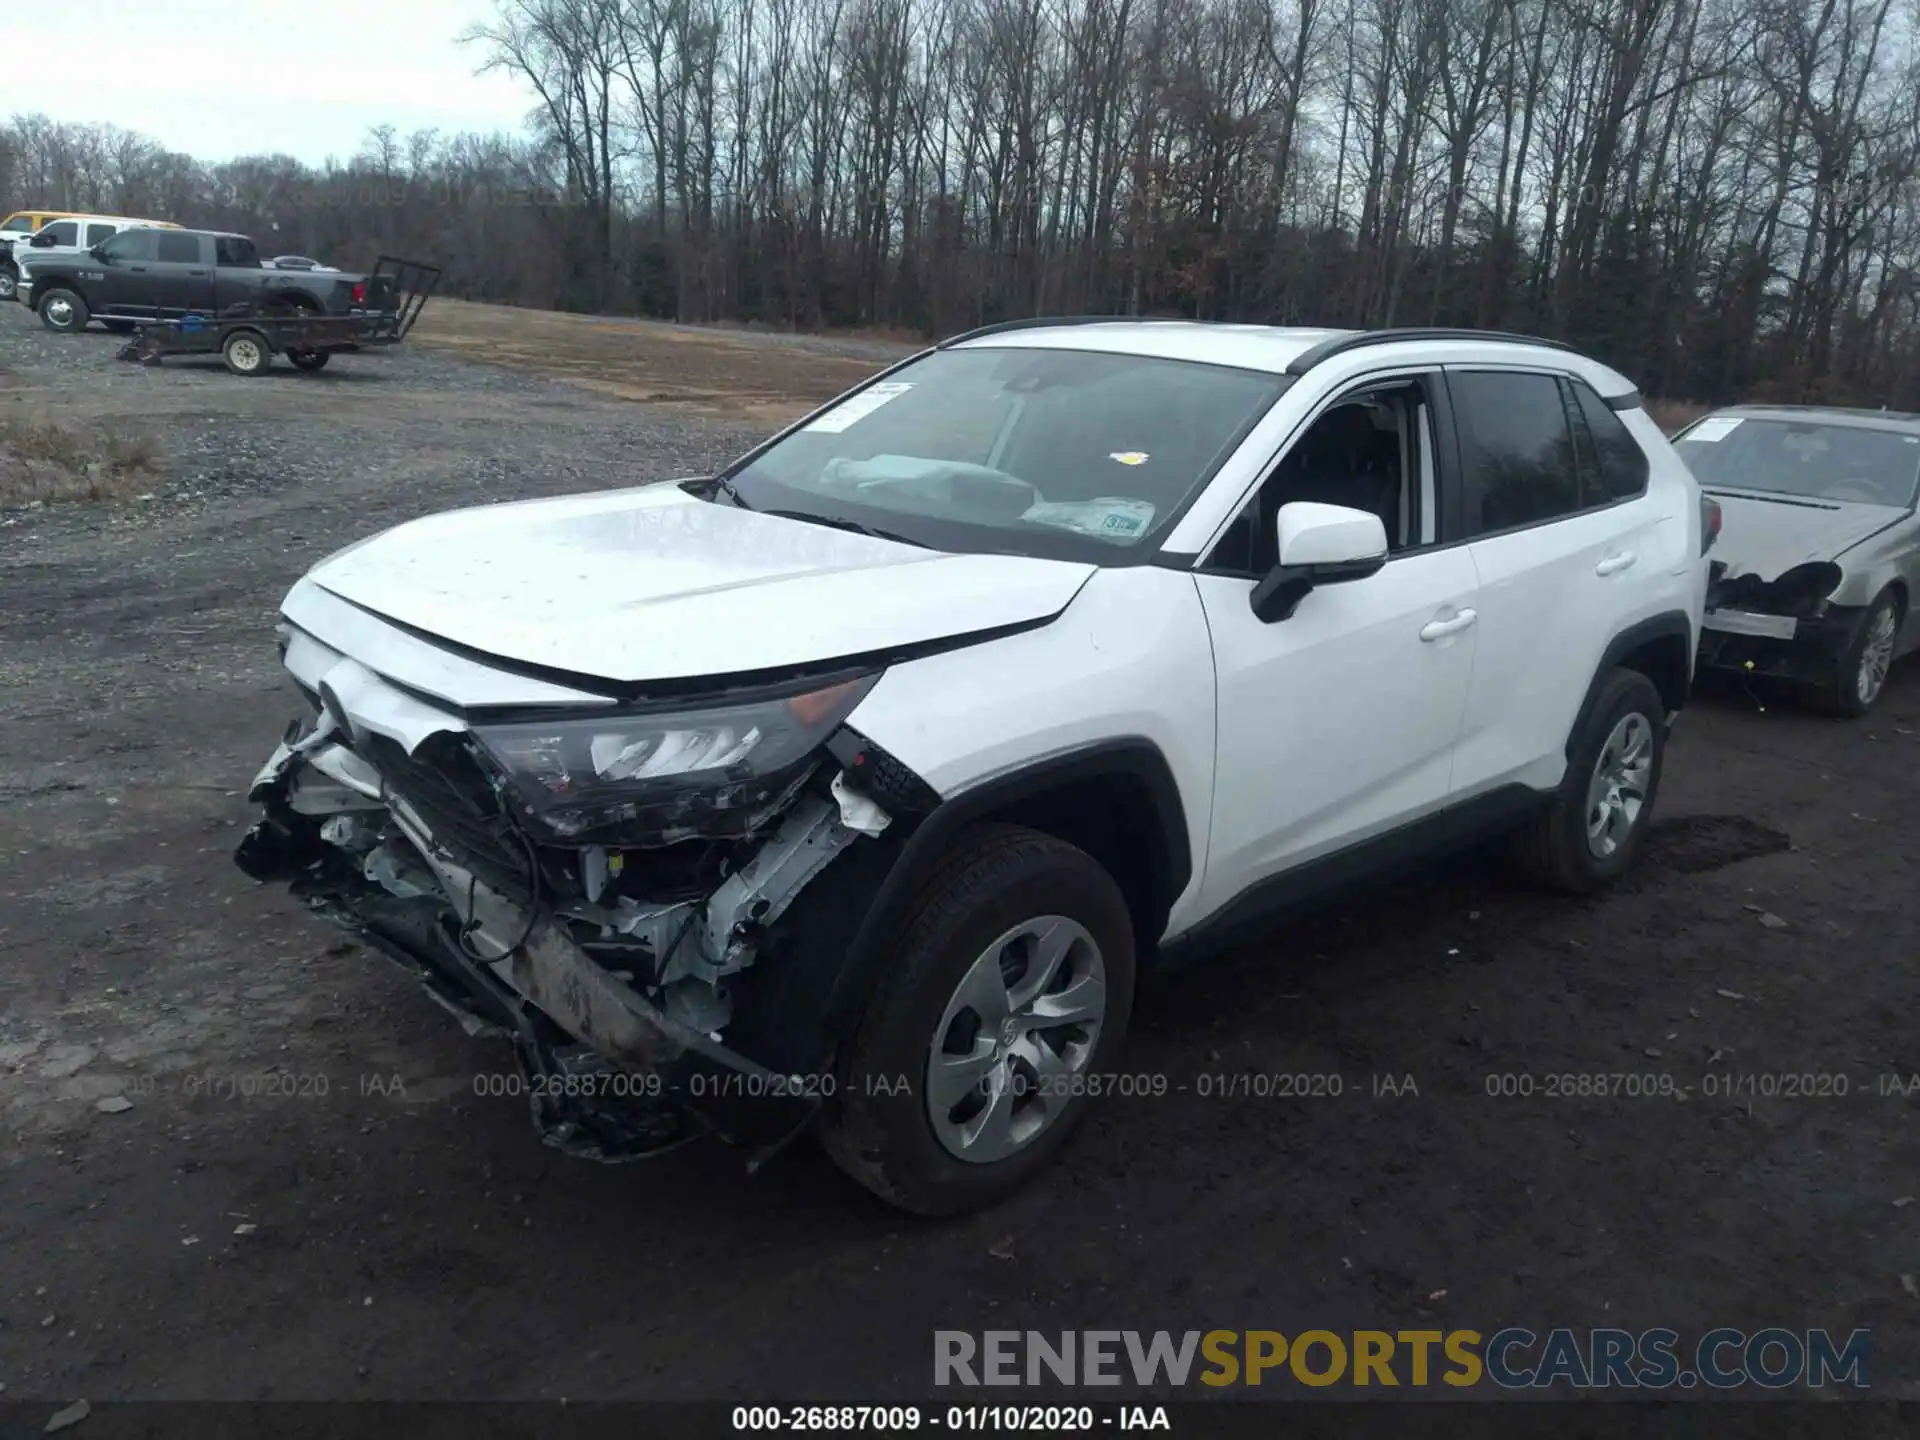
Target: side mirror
{"x": 41, "y": 240}
{"x": 99, "y": 252}
{"x": 1318, "y": 545}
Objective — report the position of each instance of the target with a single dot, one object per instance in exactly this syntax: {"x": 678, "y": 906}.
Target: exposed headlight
{"x": 654, "y": 778}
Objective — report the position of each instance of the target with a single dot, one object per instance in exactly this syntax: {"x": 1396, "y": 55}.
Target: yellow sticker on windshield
{"x": 1129, "y": 457}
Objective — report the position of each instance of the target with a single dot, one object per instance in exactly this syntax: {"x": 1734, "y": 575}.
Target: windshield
{"x": 1063, "y": 453}
{"x": 1803, "y": 457}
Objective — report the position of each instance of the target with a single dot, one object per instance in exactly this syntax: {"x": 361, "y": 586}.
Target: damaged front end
{"x": 1786, "y": 626}
{"x": 596, "y": 885}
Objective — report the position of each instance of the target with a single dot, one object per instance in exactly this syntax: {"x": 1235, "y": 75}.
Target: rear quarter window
{"x": 1621, "y": 464}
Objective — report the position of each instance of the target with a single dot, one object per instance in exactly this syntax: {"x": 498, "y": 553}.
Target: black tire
{"x": 1841, "y": 697}
{"x": 1553, "y": 847}
{"x": 51, "y": 308}
{"x": 9, "y": 281}
{"x": 119, "y": 327}
{"x": 247, "y": 353}
{"x": 994, "y": 877}
{"x": 311, "y": 361}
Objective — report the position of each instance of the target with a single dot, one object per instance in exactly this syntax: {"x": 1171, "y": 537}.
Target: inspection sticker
{"x": 1129, "y": 457}
{"x": 858, "y": 407}
{"x": 1713, "y": 431}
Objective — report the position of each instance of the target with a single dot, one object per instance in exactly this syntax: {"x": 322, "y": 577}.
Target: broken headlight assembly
{"x": 657, "y": 776}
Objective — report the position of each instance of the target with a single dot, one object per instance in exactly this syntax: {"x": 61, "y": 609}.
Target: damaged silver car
{"x": 1819, "y": 552}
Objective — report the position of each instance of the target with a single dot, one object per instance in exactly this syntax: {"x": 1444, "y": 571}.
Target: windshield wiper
{"x": 858, "y": 528}
{"x": 723, "y": 485}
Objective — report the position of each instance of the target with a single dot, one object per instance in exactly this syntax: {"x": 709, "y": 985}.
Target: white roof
{"x": 1272, "y": 348}
{"x": 1246, "y": 347}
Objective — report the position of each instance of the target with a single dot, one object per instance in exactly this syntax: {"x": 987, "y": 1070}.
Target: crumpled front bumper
{"x": 1802, "y": 650}
{"x": 610, "y": 1076}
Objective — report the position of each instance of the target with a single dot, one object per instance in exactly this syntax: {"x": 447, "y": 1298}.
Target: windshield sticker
{"x": 1129, "y": 457}
{"x": 1108, "y": 518}
{"x": 858, "y": 407}
{"x": 1713, "y": 431}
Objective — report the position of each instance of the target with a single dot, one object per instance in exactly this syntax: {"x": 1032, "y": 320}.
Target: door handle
{"x": 1440, "y": 629}
{"x": 1614, "y": 564}
{"x": 196, "y": 272}
{"x": 138, "y": 269}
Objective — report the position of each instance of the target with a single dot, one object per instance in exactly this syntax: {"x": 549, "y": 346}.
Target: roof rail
{"x": 1047, "y": 322}
{"x": 1341, "y": 344}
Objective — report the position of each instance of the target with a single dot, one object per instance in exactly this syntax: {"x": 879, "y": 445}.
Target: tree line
{"x": 1719, "y": 197}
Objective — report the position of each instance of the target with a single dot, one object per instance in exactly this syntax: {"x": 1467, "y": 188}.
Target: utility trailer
{"x": 247, "y": 336}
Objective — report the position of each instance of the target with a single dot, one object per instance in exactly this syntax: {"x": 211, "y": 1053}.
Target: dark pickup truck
{"x": 148, "y": 275}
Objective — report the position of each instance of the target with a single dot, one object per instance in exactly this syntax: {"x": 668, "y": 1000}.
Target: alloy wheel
{"x": 1023, "y": 1022}
{"x": 1617, "y": 791}
{"x": 1876, "y": 655}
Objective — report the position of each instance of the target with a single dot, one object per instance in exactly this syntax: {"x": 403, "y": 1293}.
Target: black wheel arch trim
{"x": 1671, "y": 624}
{"x": 1133, "y": 757}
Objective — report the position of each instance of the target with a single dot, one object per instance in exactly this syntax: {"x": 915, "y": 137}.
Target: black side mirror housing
{"x": 1279, "y": 594}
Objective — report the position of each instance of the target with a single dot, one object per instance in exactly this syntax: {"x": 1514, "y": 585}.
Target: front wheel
{"x": 9, "y": 282}
{"x": 1861, "y": 673}
{"x": 1593, "y": 830}
{"x": 1006, "y": 998}
{"x": 62, "y": 311}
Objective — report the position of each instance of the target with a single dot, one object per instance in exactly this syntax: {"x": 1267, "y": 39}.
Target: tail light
{"x": 359, "y": 292}
{"x": 1709, "y": 522}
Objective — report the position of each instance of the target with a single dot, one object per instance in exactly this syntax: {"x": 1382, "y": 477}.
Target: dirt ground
{"x": 375, "y": 1227}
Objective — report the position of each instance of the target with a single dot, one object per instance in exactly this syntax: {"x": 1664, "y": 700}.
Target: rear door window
{"x": 234, "y": 250}
{"x": 1516, "y": 450}
{"x": 179, "y": 249}
{"x": 98, "y": 233}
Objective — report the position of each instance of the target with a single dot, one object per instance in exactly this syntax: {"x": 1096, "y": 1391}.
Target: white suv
{"x": 854, "y": 787}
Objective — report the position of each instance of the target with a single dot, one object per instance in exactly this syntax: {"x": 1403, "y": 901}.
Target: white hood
{"x": 655, "y": 584}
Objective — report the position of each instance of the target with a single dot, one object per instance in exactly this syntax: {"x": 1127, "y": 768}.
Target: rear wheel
{"x": 1006, "y": 997}
{"x": 1861, "y": 673}
{"x": 246, "y": 353}
{"x": 309, "y": 360}
{"x": 62, "y": 310}
{"x": 9, "y": 282}
{"x": 1594, "y": 828}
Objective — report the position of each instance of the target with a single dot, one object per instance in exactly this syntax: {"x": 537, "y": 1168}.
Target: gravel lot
{"x": 411, "y": 1239}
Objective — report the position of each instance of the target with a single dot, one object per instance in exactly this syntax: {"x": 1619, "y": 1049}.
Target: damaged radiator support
{"x": 696, "y": 944}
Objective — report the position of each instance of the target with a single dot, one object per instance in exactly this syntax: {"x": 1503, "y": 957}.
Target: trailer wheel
{"x": 309, "y": 360}
{"x": 246, "y": 353}
{"x": 62, "y": 310}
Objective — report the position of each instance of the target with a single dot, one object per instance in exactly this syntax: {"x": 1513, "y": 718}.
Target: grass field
{"x": 735, "y": 374}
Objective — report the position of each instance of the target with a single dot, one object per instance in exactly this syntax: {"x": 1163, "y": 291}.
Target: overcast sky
{"x": 220, "y": 78}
